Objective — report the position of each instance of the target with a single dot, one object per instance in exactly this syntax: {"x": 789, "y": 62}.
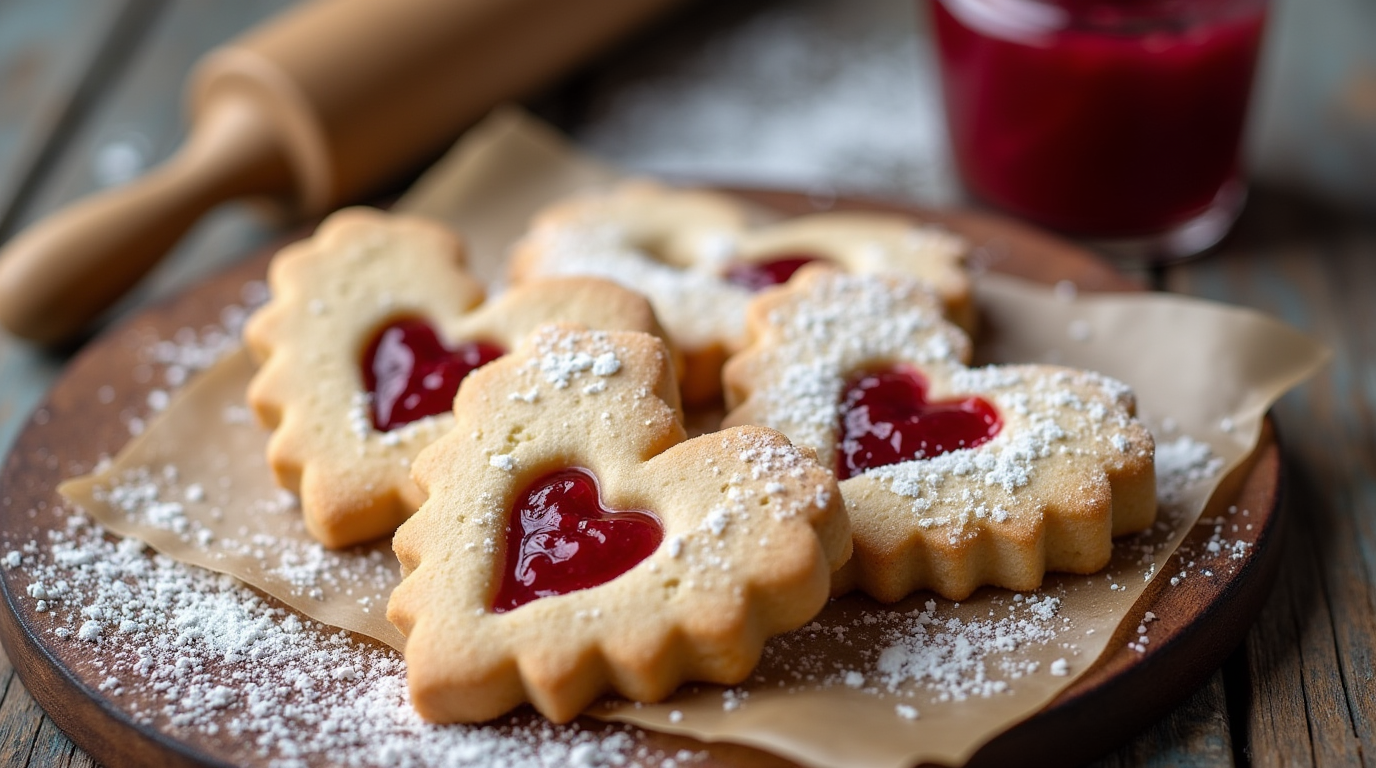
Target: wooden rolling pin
{"x": 316, "y": 108}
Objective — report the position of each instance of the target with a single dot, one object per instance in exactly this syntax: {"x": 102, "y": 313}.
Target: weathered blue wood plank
{"x": 26, "y": 372}
{"x": 1275, "y": 722}
{"x": 138, "y": 121}
{"x": 1193, "y": 735}
{"x": 53, "y": 55}
{"x": 132, "y": 121}
{"x": 141, "y": 122}
{"x": 51, "y": 747}
{"x": 1311, "y": 678}
{"x": 19, "y": 722}
{"x": 137, "y": 118}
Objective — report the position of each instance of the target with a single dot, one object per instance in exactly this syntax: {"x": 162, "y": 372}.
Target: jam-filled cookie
{"x": 693, "y": 254}
{"x": 573, "y": 543}
{"x": 953, "y": 477}
{"x": 372, "y": 324}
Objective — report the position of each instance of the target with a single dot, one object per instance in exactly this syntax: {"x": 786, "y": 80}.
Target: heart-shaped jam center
{"x": 759, "y": 275}
{"x": 410, "y": 374}
{"x": 886, "y": 419}
{"x": 561, "y": 539}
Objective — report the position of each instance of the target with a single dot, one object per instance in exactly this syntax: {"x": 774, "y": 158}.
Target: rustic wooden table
{"x": 90, "y": 94}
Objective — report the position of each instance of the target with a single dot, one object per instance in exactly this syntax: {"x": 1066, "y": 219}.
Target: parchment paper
{"x": 863, "y": 685}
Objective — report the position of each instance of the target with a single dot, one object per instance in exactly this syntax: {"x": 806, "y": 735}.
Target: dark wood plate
{"x": 1199, "y": 621}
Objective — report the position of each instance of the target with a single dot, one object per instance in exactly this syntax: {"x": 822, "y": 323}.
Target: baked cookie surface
{"x": 499, "y": 606}
{"x": 693, "y": 253}
{"x": 953, "y": 477}
{"x": 373, "y": 322}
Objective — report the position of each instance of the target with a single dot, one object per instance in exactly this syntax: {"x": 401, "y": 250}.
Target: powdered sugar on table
{"x": 198, "y": 654}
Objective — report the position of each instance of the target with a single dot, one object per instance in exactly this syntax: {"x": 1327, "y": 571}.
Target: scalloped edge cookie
{"x": 673, "y": 245}
{"x": 1069, "y": 469}
{"x": 753, "y": 529}
{"x": 331, "y": 293}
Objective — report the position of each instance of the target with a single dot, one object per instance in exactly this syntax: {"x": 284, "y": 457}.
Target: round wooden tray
{"x": 1199, "y": 621}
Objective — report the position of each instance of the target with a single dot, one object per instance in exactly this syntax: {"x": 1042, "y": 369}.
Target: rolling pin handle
{"x": 61, "y": 272}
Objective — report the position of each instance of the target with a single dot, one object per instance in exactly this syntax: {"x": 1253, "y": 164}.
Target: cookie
{"x": 694, "y": 255}
{"x": 372, "y": 325}
{"x": 573, "y": 543}
{"x": 954, "y": 477}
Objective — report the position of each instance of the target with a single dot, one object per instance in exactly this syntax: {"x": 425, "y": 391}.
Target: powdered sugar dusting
{"x": 838, "y": 325}
{"x": 1183, "y": 465}
{"x": 562, "y": 357}
{"x": 417, "y": 433}
{"x": 157, "y": 500}
{"x": 771, "y": 463}
{"x": 189, "y": 351}
{"x": 502, "y": 461}
{"x": 1047, "y": 414}
{"x": 813, "y": 94}
{"x": 926, "y": 654}
{"x": 694, "y": 303}
{"x": 835, "y": 325}
{"x": 188, "y": 651}
{"x": 1182, "y": 462}
{"x": 953, "y": 658}
{"x": 760, "y": 483}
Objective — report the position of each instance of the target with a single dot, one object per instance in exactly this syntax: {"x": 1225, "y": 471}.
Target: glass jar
{"x": 1118, "y": 120}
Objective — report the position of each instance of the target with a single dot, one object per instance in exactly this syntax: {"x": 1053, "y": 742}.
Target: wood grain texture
{"x": 52, "y": 748}
{"x": 1274, "y": 676}
{"x": 1193, "y": 735}
{"x": 142, "y": 109}
{"x": 74, "y": 76}
{"x": 54, "y": 56}
{"x": 1309, "y": 692}
{"x": 110, "y": 72}
{"x": 141, "y": 116}
{"x": 1198, "y": 622}
{"x": 20, "y": 720}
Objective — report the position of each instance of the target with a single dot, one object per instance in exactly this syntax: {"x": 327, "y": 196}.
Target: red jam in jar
{"x": 411, "y": 374}
{"x": 1114, "y": 118}
{"x": 886, "y": 419}
{"x": 561, "y": 539}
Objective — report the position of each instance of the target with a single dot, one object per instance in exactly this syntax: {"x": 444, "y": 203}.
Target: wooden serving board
{"x": 1199, "y": 621}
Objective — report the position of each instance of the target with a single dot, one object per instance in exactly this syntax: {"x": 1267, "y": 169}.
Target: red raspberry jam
{"x": 561, "y": 539}
{"x": 1103, "y": 117}
{"x": 411, "y": 374}
{"x": 759, "y": 275}
{"x": 886, "y": 419}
